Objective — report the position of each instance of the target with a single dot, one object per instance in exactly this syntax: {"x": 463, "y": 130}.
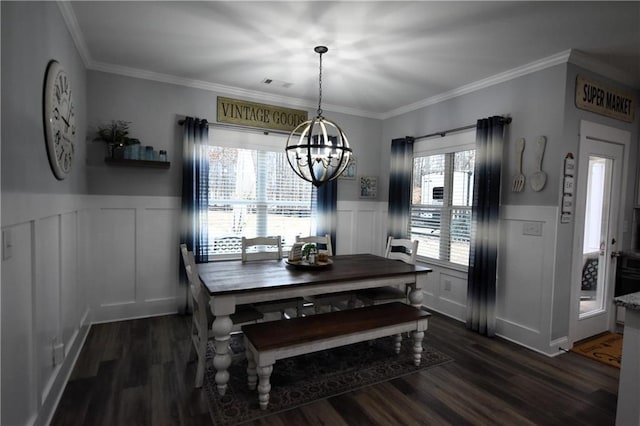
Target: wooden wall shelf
{"x": 138, "y": 163}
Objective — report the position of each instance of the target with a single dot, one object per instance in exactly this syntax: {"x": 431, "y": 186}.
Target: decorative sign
{"x": 368, "y": 186}
{"x": 350, "y": 171}
{"x": 568, "y": 188}
{"x": 595, "y": 97}
{"x": 252, "y": 114}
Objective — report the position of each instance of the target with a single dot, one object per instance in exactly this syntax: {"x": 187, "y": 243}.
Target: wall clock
{"x": 59, "y": 120}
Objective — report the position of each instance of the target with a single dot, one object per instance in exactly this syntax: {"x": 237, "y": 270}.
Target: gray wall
{"x": 541, "y": 103}
{"x": 571, "y": 138}
{"x": 573, "y": 116}
{"x": 43, "y": 290}
{"x": 154, "y": 108}
{"x": 536, "y": 104}
{"x": 33, "y": 33}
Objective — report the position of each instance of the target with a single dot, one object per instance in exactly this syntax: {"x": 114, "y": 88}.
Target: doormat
{"x": 307, "y": 378}
{"x": 606, "y": 348}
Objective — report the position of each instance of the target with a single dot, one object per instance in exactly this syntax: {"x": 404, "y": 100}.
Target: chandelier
{"x": 318, "y": 150}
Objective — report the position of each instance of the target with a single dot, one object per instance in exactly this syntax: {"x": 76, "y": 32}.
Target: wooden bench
{"x": 270, "y": 341}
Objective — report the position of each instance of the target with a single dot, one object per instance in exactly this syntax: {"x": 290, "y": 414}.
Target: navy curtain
{"x": 483, "y": 255}
{"x": 195, "y": 187}
{"x": 400, "y": 187}
{"x": 327, "y": 204}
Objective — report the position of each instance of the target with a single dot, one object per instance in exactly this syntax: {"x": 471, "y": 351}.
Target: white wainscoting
{"x": 44, "y": 300}
{"x": 526, "y": 280}
{"x": 136, "y": 257}
{"x": 526, "y": 276}
{"x": 361, "y": 227}
{"x": 77, "y": 260}
{"x": 446, "y": 291}
{"x": 18, "y": 338}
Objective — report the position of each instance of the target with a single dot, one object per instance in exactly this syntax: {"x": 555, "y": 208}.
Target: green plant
{"x": 307, "y": 249}
{"x": 116, "y": 132}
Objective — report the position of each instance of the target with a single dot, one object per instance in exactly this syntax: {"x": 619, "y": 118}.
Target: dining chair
{"x": 270, "y": 248}
{"x": 335, "y": 301}
{"x": 261, "y": 248}
{"x": 401, "y": 249}
{"x": 202, "y": 318}
{"x": 323, "y": 241}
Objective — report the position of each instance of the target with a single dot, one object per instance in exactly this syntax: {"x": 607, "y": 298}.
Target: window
{"x": 442, "y": 196}
{"x": 254, "y": 192}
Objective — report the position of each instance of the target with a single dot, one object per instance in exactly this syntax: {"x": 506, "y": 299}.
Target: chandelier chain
{"x": 320, "y": 89}
{"x": 318, "y": 150}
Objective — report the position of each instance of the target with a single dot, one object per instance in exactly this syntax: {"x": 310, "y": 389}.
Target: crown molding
{"x": 74, "y": 29}
{"x": 541, "y": 64}
{"x": 573, "y": 56}
{"x": 529, "y": 68}
{"x": 583, "y": 60}
{"x": 225, "y": 90}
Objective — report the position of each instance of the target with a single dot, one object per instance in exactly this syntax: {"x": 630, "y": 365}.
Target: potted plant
{"x": 115, "y": 135}
{"x": 309, "y": 252}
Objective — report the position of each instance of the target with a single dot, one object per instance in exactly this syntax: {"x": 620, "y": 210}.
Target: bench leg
{"x": 264, "y": 387}
{"x": 417, "y": 346}
{"x": 252, "y": 375}
{"x": 397, "y": 342}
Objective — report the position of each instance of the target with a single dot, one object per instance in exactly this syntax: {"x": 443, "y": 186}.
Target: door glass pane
{"x": 595, "y": 236}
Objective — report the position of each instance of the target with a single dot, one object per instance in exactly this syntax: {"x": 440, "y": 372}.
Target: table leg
{"x": 221, "y": 328}
{"x": 415, "y": 299}
{"x": 415, "y": 295}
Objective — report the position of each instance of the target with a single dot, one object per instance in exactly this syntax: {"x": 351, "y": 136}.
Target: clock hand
{"x": 69, "y": 114}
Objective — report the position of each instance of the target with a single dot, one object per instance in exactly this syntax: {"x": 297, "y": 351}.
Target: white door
{"x": 597, "y": 232}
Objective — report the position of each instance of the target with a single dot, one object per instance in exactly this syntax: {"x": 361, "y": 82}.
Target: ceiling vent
{"x": 278, "y": 83}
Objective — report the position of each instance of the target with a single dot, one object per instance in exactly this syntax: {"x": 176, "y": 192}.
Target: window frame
{"x": 447, "y": 145}
{"x": 259, "y": 142}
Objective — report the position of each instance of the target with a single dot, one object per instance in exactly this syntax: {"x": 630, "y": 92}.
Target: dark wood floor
{"x": 138, "y": 373}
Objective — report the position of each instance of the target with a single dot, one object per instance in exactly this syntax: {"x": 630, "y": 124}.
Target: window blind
{"x": 255, "y": 193}
{"x": 442, "y": 196}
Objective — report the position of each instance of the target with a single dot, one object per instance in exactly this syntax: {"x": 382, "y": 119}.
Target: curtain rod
{"x": 244, "y": 129}
{"x": 443, "y": 133}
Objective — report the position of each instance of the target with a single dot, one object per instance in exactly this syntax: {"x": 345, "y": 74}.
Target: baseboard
{"x": 50, "y": 404}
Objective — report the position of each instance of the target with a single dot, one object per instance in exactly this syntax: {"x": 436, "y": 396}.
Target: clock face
{"x": 59, "y": 120}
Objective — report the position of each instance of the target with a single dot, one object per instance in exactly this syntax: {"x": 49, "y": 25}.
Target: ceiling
{"x": 384, "y": 58}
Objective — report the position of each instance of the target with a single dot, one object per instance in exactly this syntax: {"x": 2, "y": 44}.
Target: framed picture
{"x": 350, "y": 171}
{"x": 368, "y": 186}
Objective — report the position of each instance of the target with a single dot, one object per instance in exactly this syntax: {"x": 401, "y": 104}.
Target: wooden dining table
{"x": 233, "y": 283}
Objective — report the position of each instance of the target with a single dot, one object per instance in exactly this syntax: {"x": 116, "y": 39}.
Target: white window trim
{"x": 229, "y": 138}
{"x": 249, "y": 140}
{"x": 461, "y": 141}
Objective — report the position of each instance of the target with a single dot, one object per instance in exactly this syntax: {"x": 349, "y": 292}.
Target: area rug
{"x": 606, "y": 348}
{"x": 307, "y": 378}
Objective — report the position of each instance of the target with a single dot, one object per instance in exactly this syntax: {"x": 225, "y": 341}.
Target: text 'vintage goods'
{"x": 252, "y": 114}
